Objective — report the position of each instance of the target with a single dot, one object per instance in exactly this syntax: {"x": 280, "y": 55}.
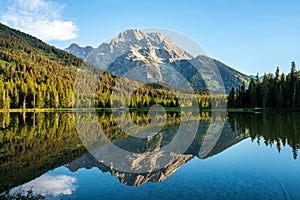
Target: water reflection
{"x": 133, "y": 175}
{"x": 34, "y": 143}
{"x": 272, "y": 129}
{"x": 47, "y": 185}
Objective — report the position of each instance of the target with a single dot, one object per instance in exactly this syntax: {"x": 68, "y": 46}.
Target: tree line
{"x": 27, "y": 92}
{"x": 277, "y": 91}
{"x": 36, "y": 75}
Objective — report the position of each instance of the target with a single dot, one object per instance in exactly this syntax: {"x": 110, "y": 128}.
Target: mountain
{"x": 36, "y": 75}
{"x": 134, "y": 48}
{"x": 135, "y": 40}
{"x": 79, "y": 52}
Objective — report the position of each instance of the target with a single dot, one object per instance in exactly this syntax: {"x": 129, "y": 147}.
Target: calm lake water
{"x": 251, "y": 156}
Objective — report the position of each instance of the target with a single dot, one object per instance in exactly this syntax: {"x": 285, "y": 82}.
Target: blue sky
{"x": 248, "y": 35}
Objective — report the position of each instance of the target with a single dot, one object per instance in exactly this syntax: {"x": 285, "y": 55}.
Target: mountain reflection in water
{"x": 33, "y": 143}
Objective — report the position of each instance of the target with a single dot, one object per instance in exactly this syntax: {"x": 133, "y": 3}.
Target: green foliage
{"x": 33, "y": 73}
{"x": 231, "y": 99}
{"x": 279, "y": 92}
{"x": 36, "y": 75}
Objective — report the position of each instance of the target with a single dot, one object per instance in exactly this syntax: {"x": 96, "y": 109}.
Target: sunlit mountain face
{"x": 133, "y": 48}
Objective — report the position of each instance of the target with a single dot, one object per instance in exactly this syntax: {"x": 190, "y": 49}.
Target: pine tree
{"x": 23, "y": 94}
{"x": 2, "y": 95}
{"x": 279, "y": 97}
{"x": 7, "y": 101}
{"x": 252, "y": 94}
{"x": 40, "y": 103}
{"x": 293, "y": 84}
{"x": 265, "y": 90}
{"x": 231, "y": 103}
{"x": 15, "y": 98}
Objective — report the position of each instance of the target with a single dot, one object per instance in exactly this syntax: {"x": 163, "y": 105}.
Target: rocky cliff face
{"x": 79, "y": 52}
{"x": 133, "y": 43}
{"x": 150, "y": 53}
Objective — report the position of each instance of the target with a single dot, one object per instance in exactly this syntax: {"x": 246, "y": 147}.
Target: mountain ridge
{"x": 133, "y": 40}
{"x": 132, "y": 48}
{"x": 80, "y": 52}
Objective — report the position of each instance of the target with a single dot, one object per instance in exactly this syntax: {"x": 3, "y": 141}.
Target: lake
{"x": 83, "y": 155}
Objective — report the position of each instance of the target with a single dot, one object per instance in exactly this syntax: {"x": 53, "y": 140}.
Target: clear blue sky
{"x": 249, "y": 35}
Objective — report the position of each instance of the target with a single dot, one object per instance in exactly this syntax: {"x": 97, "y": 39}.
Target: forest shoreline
{"x": 144, "y": 109}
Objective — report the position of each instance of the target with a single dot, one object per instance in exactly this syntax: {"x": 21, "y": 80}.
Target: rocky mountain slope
{"x": 134, "y": 40}
{"x": 79, "y": 52}
{"x": 133, "y": 48}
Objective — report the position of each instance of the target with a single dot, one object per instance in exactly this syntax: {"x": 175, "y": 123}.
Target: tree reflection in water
{"x": 34, "y": 143}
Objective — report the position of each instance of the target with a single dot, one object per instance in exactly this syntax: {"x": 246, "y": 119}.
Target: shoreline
{"x": 145, "y": 109}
